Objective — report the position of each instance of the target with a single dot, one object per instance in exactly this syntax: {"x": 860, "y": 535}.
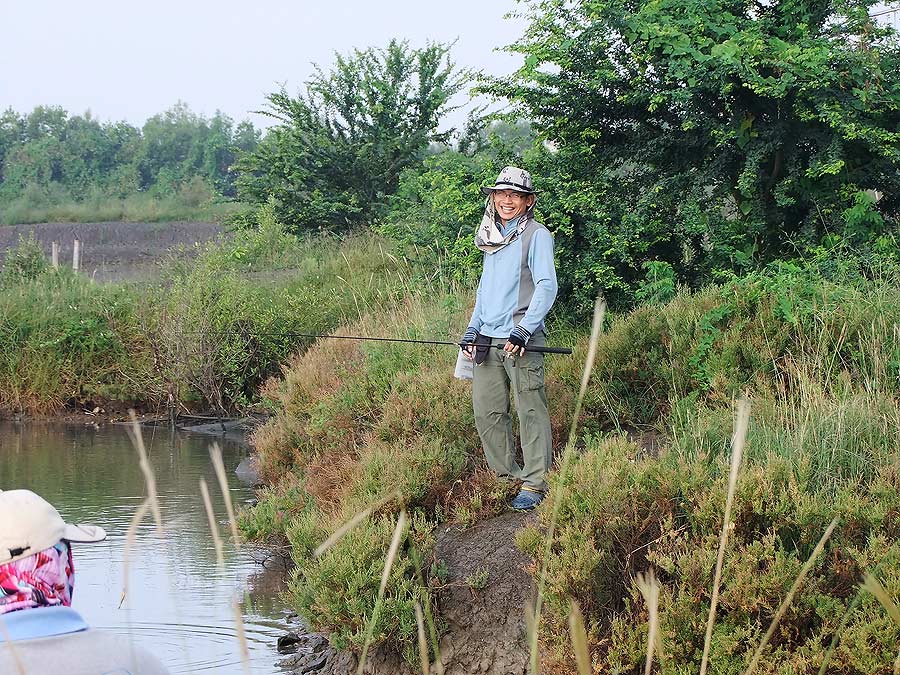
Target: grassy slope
{"x": 356, "y": 423}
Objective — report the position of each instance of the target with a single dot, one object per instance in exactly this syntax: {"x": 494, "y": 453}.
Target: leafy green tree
{"x": 339, "y": 149}
{"x": 711, "y": 134}
{"x": 12, "y": 134}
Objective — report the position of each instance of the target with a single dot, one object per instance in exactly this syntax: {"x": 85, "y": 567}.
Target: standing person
{"x": 39, "y": 631}
{"x": 517, "y": 288}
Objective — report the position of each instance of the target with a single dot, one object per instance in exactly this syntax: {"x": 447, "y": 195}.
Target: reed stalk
{"x": 399, "y": 532}
{"x": 737, "y": 450}
{"x": 241, "y": 634}
{"x": 137, "y": 439}
{"x": 351, "y": 524}
{"x": 578, "y": 634}
{"x": 424, "y": 659}
{"x": 130, "y": 535}
{"x": 429, "y": 618}
{"x": 789, "y": 598}
{"x": 20, "y": 667}
{"x": 213, "y": 526}
{"x": 215, "y": 454}
{"x": 649, "y": 589}
{"x": 873, "y": 586}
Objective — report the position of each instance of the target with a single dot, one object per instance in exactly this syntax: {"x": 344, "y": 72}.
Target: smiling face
{"x": 511, "y": 204}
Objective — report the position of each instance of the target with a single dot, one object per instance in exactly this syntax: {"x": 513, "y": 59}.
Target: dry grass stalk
{"x": 578, "y": 634}
{"x": 399, "y": 532}
{"x": 873, "y": 586}
{"x": 649, "y": 589}
{"x": 215, "y": 454}
{"x": 149, "y": 479}
{"x": 130, "y": 535}
{"x": 241, "y": 635}
{"x": 429, "y": 619}
{"x": 789, "y": 598}
{"x": 568, "y": 452}
{"x": 737, "y": 451}
{"x": 213, "y": 527}
{"x": 20, "y": 667}
{"x": 351, "y": 524}
{"x": 424, "y": 659}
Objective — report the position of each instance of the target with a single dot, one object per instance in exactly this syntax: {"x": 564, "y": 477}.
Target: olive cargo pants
{"x": 491, "y": 386}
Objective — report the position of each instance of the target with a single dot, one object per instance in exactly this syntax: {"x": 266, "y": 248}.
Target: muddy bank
{"x": 115, "y": 251}
{"x": 485, "y": 629}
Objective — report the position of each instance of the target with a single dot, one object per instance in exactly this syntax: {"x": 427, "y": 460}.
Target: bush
{"x": 623, "y": 513}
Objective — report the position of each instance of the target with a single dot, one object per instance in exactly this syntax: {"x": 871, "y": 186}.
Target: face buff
{"x": 489, "y": 237}
{"x": 43, "y": 579}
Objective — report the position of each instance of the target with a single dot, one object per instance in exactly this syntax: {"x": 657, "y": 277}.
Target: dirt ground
{"x": 113, "y": 251}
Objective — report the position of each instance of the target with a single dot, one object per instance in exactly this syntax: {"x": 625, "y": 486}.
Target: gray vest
{"x": 526, "y": 281}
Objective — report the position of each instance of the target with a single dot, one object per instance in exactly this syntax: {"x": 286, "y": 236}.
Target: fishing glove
{"x": 468, "y": 337}
{"x": 519, "y": 337}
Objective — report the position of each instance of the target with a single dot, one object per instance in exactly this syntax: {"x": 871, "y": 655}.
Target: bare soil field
{"x": 114, "y": 251}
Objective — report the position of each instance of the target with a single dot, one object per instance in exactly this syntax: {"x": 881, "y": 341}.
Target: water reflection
{"x": 178, "y": 603}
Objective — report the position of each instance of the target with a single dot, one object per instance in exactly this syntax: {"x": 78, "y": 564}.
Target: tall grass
{"x": 207, "y": 335}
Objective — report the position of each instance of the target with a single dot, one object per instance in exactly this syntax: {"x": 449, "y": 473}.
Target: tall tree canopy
{"x": 709, "y": 133}
{"x": 339, "y": 149}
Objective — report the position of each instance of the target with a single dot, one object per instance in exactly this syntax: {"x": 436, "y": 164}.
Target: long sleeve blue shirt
{"x": 517, "y": 286}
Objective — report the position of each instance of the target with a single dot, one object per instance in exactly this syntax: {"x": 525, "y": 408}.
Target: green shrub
{"x": 623, "y": 513}
{"x": 337, "y": 592}
{"x": 24, "y": 262}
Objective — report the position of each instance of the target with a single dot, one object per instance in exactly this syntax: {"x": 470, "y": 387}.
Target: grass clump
{"x": 63, "y": 339}
{"x": 823, "y": 443}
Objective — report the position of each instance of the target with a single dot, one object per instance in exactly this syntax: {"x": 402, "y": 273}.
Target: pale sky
{"x": 127, "y": 60}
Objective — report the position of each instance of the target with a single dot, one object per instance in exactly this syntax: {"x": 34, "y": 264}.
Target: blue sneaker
{"x": 527, "y": 499}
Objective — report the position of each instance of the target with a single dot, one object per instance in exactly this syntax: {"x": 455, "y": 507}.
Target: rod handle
{"x": 536, "y": 350}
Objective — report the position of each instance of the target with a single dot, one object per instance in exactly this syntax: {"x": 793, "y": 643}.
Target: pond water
{"x": 179, "y": 604}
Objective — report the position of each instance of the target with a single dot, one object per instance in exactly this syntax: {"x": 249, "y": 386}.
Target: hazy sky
{"x": 127, "y": 60}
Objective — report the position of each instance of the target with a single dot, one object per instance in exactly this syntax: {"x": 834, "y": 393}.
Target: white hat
{"x": 512, "y": 178}
{"x": 29, "y": 524}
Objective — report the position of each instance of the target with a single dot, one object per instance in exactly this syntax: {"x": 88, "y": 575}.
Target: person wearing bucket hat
{"x": 39, "y": 631}
{"x": 517, "y": 288}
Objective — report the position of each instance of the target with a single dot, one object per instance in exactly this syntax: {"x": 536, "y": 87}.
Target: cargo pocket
{"x": 529, "y": 372}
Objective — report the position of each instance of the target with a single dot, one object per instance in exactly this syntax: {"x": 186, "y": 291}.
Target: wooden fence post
{"x": 54, "y": 254}
{"x": 76, "y": 254}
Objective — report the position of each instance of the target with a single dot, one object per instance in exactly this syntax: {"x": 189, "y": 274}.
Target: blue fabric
{"x": 38, "y": 622}
{"x": 497, "y": 297}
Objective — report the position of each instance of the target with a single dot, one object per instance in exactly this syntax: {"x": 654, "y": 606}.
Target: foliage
{"x": 66, "y": 340}
{"x": 339, "y": 149}
{"x": 760, "y": 333}
{"x": 623, "y": 513}
{"x": 56, "y": 165}
{"x": 709, "y": 136}
{"x": 208, "y": 334}
{"x": 25, "y": 262}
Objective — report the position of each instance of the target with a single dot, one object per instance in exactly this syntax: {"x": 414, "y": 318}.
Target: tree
{"x": 712, "y": 133}
{"x": 338, "y": 150}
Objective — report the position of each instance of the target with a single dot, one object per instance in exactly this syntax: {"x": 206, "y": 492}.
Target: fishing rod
{"x": 536, "y": 350}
